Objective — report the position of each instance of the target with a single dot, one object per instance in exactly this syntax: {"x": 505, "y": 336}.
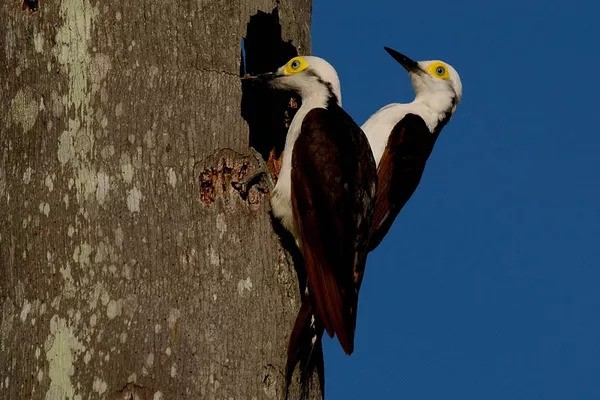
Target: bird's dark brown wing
{"x": 333, "y": 189}
{"x": 399, "y": 171}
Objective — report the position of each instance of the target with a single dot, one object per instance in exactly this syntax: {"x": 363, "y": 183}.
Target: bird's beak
{"x": 408, "y": 64}
{"x": 260, "y": 78}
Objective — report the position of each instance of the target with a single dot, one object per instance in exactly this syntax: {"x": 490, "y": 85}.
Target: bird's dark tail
{"x": 306, "y": 350}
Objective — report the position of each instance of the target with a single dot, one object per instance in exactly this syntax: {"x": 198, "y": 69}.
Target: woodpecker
{"x": 324, "y": 197}
{"x": 402, "y": 136}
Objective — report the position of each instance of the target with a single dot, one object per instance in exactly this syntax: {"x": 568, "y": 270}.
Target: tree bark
{"x": 129, "y": 264}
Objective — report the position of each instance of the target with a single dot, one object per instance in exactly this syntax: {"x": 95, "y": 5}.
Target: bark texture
{"x": 130, "y": 268}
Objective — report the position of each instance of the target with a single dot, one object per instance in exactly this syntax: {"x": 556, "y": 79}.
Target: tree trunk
{"x": 129, "y": 263}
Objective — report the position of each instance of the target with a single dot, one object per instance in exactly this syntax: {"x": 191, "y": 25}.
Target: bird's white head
{"x": 434, "y": 81}
{"x": 307, "y": 76}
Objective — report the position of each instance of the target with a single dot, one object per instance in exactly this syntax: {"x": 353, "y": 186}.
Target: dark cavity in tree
{"x": 267, "y": 112}
{"x": 30, "y": 6}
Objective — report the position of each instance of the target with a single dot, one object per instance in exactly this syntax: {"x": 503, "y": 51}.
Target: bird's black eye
{"x": 295, "y": 64}
{"x": 440, "y": 71}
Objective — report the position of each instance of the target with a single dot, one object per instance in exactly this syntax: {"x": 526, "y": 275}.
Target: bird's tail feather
{"x": 305, "y": 349}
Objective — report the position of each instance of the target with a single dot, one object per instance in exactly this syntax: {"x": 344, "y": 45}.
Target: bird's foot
{"x": 259, "y": 177}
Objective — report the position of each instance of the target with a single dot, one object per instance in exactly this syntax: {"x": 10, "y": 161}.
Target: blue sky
{"x": 488, "y": 285}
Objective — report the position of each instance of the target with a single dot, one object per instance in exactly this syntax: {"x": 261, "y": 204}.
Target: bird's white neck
{"x": 438, "y": 104}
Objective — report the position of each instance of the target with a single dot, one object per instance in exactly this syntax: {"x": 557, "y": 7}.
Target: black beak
{"x": 260, "y": 78}
{"x": 408, "y": 64}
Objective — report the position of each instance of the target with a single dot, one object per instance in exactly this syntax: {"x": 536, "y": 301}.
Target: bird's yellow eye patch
{"x": 439, "y": 70}
{"x": 295, "y": 65}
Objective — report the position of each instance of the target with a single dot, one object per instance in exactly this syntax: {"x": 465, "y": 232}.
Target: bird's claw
{"x": 259, "y": 174}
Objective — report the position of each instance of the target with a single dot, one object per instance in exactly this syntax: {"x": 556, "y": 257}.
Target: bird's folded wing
{"x": 328, "y": 185}
{"x": 399, "y": 172}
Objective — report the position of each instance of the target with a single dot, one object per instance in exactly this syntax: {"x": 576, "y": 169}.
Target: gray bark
{"x": 129, "y": 265}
